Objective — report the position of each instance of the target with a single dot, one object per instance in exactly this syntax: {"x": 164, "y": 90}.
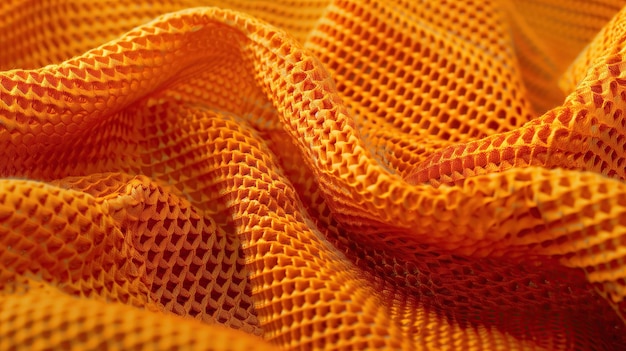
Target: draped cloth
{"x": 300, "y": 175}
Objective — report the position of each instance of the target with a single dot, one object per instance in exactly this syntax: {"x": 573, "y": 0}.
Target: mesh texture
{"x": 312, "y": 175}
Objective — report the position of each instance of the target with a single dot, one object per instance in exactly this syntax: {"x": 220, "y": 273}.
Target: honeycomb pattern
{"x": 313, "y": 175}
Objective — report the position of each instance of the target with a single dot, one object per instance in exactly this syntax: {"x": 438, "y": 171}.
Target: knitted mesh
{"x": 297, "y": 175}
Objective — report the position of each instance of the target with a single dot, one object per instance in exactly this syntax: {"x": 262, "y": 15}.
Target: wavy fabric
{"x": 312, "y": 175}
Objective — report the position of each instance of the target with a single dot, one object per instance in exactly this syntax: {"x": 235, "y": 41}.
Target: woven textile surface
{"x": 313, "y": 175}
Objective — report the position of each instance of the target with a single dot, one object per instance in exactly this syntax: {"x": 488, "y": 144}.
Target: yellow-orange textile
{"x": 299, "y": 175}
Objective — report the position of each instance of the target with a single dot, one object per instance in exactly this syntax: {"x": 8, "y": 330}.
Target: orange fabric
{"x": 282, "y": 175}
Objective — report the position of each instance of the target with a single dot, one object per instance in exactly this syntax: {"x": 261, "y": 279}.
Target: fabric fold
{"x": 329, "y": 175}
